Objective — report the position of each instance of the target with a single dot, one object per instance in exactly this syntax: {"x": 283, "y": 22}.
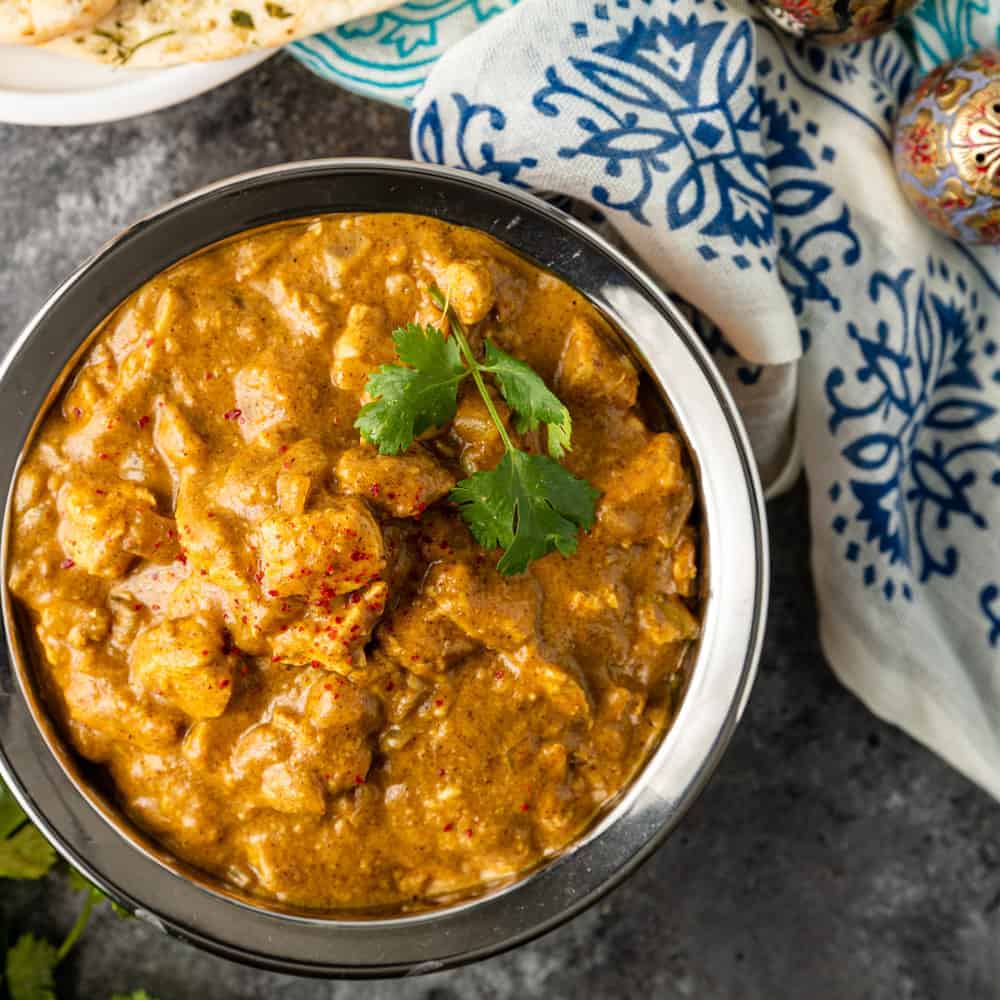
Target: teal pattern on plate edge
{"x": 388, "y": 55}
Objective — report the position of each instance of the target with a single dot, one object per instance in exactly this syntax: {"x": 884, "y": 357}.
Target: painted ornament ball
{"x": 836, "y": 22}
{"x": 946, "y": 147}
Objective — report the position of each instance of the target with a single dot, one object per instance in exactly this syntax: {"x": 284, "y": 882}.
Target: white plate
{"x": 43, "y": 88}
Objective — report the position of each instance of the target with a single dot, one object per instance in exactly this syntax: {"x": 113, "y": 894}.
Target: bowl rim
{"x": 38, "y": 768}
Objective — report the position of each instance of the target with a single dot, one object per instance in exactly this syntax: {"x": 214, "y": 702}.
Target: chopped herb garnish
{"x": 241, "y": 19}
{"x": 276, "y": 10}
{"x": 529, "y": 504}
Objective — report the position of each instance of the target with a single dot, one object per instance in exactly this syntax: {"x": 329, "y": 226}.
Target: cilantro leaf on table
{"x": 11, "y": 814}
{"x": 410, "y": 400}
{"x": 532, "y": 401}
{"x": 80, "y": 884}
{"x": 134, "y": 995}
{"x": 26, "y": 855}
{"x": 528, "y": 505}
{"x": 30, "y": 966}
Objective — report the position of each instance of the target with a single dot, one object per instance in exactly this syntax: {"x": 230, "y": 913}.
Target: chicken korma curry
{"x": 302, "y": 670}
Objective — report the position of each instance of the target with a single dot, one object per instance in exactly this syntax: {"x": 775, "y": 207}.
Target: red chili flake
{"x": 67, "y": 564}
{"x": 441, "y": 772}
{"x": 223, "y": 683}
{"x": 392, "y": 496}
{"x": 209, "y": 376}
{"x": 375, "y": 489}
{"x": 182, "y": 558}
{"x": 421, "y": 507}
{"x": 448, "y": 827}
{"x": 204, "y": 652}
{"x": 525, "y": 807}
{"x": 389, "y": 686}
{"x": 355, "y": 597}
{"x": 275, "y": 658}
{"x": 149, "y": 341}
{"x": 137, "y": 607}
{"x": 144, "y": 421}
{"x": 499, "y": 675}
{"x": 358, "y": 780}
{"x": 283, "y": 449}
{"x": 204, "y": 572}
{"x": 272, "y": 593}
{"x": 232, "y": 415}
{"x": 100, "y": 493}
{"x": 316, "y": 664}
{"x": 77, "y": 412}
{"x": 439, "y": 702}
{"x": 103, "y": 456}
{"x": 357, "y": 556}
{"x": 259, "y": 575}
{"x": 155, "y": 607}
{"x": 468, "y": 833}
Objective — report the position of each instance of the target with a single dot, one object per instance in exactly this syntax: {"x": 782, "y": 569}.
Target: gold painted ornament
{"x": 836, "y": 22}
{"x": 946, "y": 147}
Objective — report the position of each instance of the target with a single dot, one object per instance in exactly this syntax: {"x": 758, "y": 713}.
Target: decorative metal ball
{"x": 946, "y": 147}
{"x": 836, "y": 22}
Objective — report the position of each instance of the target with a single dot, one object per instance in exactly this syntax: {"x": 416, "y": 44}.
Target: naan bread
{"x": 155, "y": 33}
{"x": 30, "y": 22}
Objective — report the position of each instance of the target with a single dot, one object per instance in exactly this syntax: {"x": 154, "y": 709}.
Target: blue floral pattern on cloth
{"x": 928, "y": 467}
{"x": 389, "y": 55}
{"x": 752, "y": 174}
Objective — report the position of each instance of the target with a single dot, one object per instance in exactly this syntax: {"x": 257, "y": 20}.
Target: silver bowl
{"x": 63, "y": 795}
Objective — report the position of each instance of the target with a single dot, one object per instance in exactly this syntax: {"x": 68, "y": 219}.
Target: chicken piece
{"x": 684, "y": 568}
{"x": 592, "y": 369}
{"x": 104, "y": 525}
{"x": 649, "y": 497}
{"x": 212, "y": 541}
{"x": 274, "y": 401}
{"x": 181, "y": 449}
{"x": 292, "y": 490}
{"x": 256, "y": 481}
{"x": 468, "y": 286}
{"x": 443, "y": 536}
{"x": 664, "y": 618}
{"x": 294, "y": 762}
{"x": 78, "y": 623}
{"x": 403, "y": 485}
{"x": 499, "y": 612}
{"x": 478, "y": 439}
{"x": 337, "y": 549}
{"x": 95, "y": 700}
{"x": 563, "y": 684}
{"x": 422, "y": 641}
{"x": 333, "y": 632}
{"x": 183, "y": 661}
{"x": 361, "y": 348}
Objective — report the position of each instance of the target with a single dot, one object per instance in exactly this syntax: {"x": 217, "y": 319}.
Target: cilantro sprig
{"x": 529, "y": 505}
{"x": 27, "y": 970}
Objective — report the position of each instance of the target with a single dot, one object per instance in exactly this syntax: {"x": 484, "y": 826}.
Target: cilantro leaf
{"x": 135, "y": 995}
{"x": 26, "y": 855}
{"x": 241, "y": 18}
{"x": 532, "y": 401}
{"x": 80, "y": 884}
{"x": 408, "y": 401}
{"x": 528, "y": 505}
{"x": 30, "y": 965}
{"x": 11, "y": 814}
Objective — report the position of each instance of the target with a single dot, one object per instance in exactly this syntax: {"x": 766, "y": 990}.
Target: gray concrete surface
{"x": 830, "y": 857}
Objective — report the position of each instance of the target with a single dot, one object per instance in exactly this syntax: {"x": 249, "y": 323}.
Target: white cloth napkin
{"x": 752, "y": 176}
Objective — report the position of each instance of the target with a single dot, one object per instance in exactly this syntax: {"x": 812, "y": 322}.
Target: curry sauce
{"x": 300, "y": 671}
